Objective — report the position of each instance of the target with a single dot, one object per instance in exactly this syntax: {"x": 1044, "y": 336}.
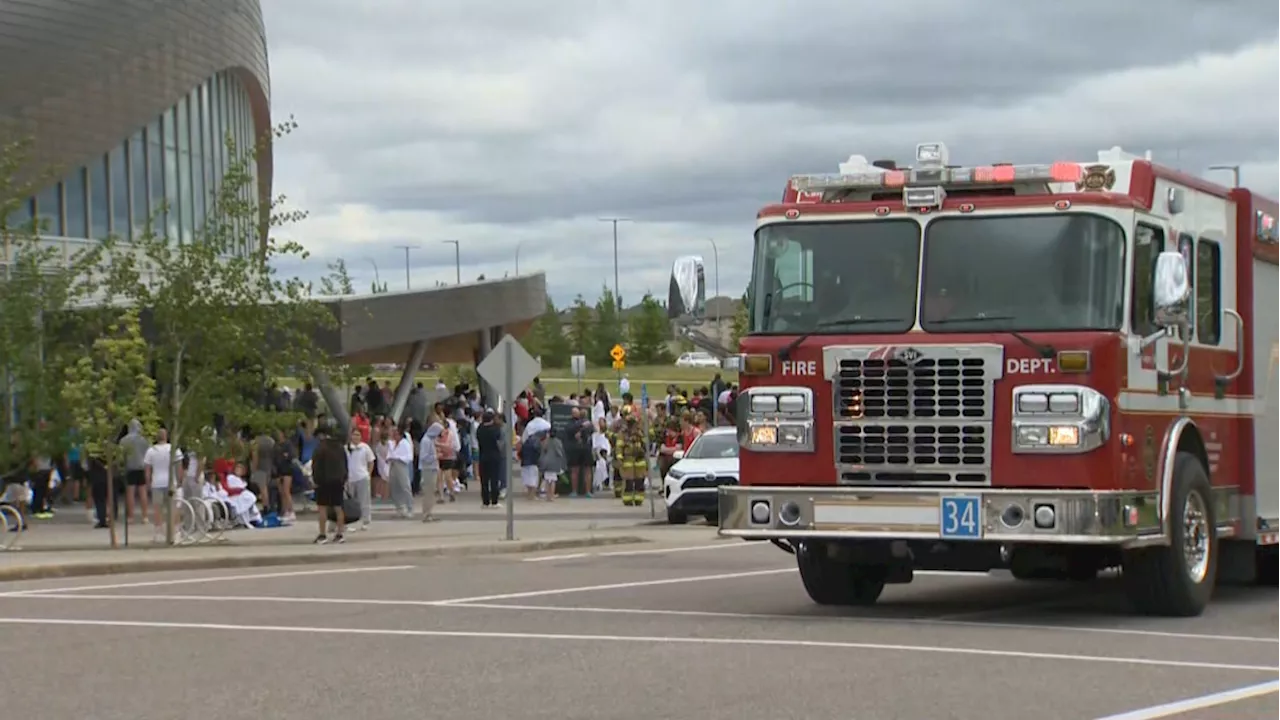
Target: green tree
{"x": 338, "y": 281}
{"x": 220, "y": 318}
{"x": 650, "y": 333}
{"x": 43, "y": 287}
{"x": 606, "y": 330}
{"x": 108, "y": 387}
{"x": 741, "y": 321}
{"x": 547, "y": 340}
{"x": 580, "y": 327}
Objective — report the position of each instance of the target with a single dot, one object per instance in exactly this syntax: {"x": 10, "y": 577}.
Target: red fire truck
{"x": 1054, "y": 369}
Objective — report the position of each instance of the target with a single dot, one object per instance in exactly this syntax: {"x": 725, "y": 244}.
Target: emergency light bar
{"x": 932, "y": 175}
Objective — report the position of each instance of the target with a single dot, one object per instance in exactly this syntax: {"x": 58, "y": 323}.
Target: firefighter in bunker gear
{"x": 614, "y": 433}
{"x": 633, "y": 460}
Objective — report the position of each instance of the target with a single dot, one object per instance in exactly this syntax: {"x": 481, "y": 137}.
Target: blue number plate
{"x": 961, "y": 518}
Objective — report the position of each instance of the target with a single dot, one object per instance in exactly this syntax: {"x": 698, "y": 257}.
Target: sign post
{"x": 509, "y": 368}
{"x": 578, "y": 366}
{"x": 650, "y": 486}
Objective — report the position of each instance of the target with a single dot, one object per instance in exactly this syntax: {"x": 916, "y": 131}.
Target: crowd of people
{"x": 445, "y": 438}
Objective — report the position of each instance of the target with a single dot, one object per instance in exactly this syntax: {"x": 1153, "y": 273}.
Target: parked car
{"x": 691, "y": 485}
{"x": 698, "y": 359}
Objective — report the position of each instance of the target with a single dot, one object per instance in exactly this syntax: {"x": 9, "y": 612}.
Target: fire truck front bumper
{"x": 943, "y": 514}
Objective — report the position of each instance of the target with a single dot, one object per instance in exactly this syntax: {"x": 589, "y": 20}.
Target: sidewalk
{"x": 64, "y": 549}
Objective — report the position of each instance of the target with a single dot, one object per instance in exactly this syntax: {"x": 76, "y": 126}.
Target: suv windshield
{"x": 718, "y": 445}
{"x": 1027, "y": 272}
{"x": 855, "y": 277}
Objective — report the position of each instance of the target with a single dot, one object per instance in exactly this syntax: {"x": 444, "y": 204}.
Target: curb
{"x": 114, "y": 567}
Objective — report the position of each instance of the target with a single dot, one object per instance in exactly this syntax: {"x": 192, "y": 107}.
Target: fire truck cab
{"x": 1053, "y": 369}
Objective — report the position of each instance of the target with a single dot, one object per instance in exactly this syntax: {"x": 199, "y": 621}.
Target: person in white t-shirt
{"x": 360, "y": 459}
{"x": 158, "y": 463}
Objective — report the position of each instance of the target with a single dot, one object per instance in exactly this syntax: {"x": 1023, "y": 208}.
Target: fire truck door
{"x": 1146, "y": 359}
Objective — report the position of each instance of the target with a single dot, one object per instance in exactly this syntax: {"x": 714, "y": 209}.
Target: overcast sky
{"x": 517, "y": 124}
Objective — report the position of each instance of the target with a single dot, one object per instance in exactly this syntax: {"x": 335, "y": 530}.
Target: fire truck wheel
{"x": 1178, "y": 580}
{"x": 1268, "y": 565}
{"x": 831, "y": 582}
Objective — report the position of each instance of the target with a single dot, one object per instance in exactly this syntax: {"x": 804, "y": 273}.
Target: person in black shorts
{"x": 329, "y": 472}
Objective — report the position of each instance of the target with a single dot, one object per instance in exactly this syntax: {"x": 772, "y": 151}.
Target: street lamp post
{"x": 715, "y": 252}
{"x": 518, "y": 245}
{"x": 377, "y": 278}
{"x": 406, "y": 249}
{"x": 457, "y": 259}
{"x": 617, "y": 301}
{"x": 1235, "y": 173}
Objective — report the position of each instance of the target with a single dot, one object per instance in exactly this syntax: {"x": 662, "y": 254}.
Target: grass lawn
{"x": 559, "y": 381}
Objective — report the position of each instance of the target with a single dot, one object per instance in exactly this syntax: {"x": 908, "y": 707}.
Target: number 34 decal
{"x": 961, "y": 517}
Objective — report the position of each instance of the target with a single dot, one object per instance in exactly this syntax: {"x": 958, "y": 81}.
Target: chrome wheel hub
{"x": 1195, "y": 537}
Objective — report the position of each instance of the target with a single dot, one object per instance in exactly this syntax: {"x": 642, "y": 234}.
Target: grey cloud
{"x": 503, "y": 123}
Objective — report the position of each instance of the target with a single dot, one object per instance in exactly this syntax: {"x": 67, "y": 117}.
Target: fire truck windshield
{"x": 856, "y": 277}
{"x": 1029, "y": 272}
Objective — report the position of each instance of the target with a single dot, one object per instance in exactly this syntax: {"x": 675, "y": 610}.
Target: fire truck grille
{"x": 913, "y": 453}
{"x": 945, "y": 388}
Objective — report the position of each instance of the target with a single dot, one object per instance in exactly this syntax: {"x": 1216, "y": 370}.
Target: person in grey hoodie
{"x": 552, "y": 461}
{"x": 135, "y": 445}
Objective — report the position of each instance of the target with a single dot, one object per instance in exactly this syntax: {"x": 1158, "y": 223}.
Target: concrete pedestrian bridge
{"x": 455, "y": 324}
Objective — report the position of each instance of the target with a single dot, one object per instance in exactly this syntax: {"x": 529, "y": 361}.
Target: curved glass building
{"x": 128, "y": 102}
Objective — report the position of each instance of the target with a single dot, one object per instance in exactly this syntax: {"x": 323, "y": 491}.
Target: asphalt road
{"x": 703, "y": 629}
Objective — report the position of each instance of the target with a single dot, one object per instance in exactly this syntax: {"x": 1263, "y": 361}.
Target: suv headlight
{"x": 776, "y": 419}
{"x": 1060, "y": 419}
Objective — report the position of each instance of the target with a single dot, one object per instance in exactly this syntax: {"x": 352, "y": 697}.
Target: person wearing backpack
{"x": 530, "y": 450}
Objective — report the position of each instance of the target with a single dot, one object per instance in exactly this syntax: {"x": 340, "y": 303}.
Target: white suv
{"x": 697, "y": 360}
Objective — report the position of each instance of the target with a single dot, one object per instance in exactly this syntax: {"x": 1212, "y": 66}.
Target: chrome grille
{"x": 915, "y": 453}
{"x": 914, "y": 415}
{"x": 928, "y": 388}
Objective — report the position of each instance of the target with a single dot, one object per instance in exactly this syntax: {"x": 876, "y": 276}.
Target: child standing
{"x": 552, "y": 461}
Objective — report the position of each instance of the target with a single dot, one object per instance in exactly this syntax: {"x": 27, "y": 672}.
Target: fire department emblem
{"x": 907, "y": 355}
{"x": 1149, "y": 454}
{"x": 1097, "y": 178}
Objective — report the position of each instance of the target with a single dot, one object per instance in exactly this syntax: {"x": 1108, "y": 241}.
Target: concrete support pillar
{"x": 487, "y": 395}
{"x": 416, "y": 353}
{"x": 337, "y": 404}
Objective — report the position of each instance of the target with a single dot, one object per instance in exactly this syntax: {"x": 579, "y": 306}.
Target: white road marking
{"x": 618, "y": 586}
{"x": 710, "y": 614}
{"x": 1199, "y": 703}
{"x": 638, "y": 639}
{"x": 200, "y": 580}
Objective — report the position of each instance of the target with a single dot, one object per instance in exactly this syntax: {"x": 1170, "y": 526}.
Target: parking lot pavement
{"x": 690, "y": 628}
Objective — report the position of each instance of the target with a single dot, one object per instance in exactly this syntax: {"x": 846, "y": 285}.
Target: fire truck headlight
{"x": 1059, "y": 418}
{"x": 777, "y": 419}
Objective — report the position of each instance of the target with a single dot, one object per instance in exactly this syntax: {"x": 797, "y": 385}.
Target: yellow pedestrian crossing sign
{"x": 619, "y": 354}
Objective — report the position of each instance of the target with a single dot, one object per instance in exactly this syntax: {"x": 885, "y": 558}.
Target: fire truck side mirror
{"x": 687, "y": 295}
{"x": 1171, "y": 287}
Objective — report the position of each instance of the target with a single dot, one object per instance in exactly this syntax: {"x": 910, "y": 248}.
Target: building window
{"x": 73, "y": 193}
{"x": 170, "y": 175}
{"x": 155, "y": 173}
{"x": 216, "y": 148}
{"x": 184, "y": 169}
{"x": 138, "y": 190}
{"x": 119, "y": 190}
{"x": 1208, "y": 287}
{"x": 197, "y": 163}
{"x": 49, "y": 211}
{"x": 99, "y": 199}
{"x": 207, "y": 144}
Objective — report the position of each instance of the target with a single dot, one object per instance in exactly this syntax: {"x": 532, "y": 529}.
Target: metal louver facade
{"x": 81, "y": 77}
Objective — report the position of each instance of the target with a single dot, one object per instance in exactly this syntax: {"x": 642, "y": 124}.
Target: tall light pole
{"x": 518, "y": 256}
{"x": 457, "y": 259}
{"x": 377, "y": 279}
{"x": 406, "y": 249}
{"x": 617, "y": 301}
{"x": 715, "y": 252}
{"x": 1235, "y": 173}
